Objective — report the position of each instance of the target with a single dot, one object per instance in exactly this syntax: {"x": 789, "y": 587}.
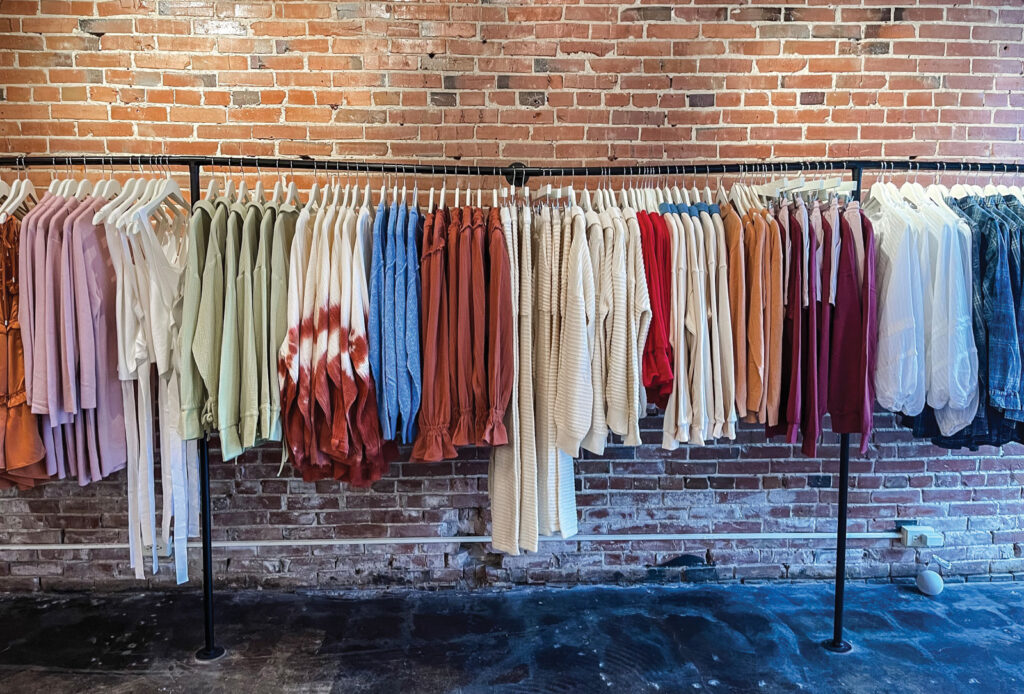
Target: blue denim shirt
{"x": 374, "y": 335}
{"x": 412, "y": 322}
{"x": 1004, "y": 363}
{"x": 390, "y": 420}
{"x": 1012, "y": 224}
{"x": 401, "y": 363}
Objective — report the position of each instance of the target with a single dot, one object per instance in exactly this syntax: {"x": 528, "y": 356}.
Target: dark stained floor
{"x": 710, "y": 638}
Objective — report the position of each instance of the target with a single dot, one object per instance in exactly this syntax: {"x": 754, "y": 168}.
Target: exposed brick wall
{"x": 492, "y": 81}
{"x": 750, "y": 486}
{"x": 589, "y": 82}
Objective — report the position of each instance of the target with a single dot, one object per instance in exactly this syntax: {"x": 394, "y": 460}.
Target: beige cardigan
{"x": 574, "y": 396}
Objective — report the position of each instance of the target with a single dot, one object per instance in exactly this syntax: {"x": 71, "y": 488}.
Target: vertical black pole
{"x": 837, "y": 644}
{"x": 210, "y": 651}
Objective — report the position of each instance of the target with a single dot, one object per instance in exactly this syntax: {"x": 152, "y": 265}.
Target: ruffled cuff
{"x": 495, "y": 432}
{"x": 462, "y": 435}
{"x": 434, "y": 444}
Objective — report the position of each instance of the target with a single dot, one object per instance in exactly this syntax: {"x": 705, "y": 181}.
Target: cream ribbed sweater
{"x": 574, "y": 397}
{"x": 597, "y": 436}
{"x": 676, "y": 426}
{"x": 504, "y": 481}
{"x": 725, "y": 332}
{"x": 528, "y": 523}
{"x": 616, "y": 388}
{"x": 717, "y": 410}
{"x": 638, "y": 315}
{"x": 696, "y": 331}
{"x": 543, "y": 320}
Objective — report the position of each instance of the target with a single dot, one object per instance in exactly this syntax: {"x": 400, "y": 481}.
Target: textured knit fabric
{"x": 504, "y": 474}
{"x": 657, "y": 355}
{"x": 574, "y": 393}
{"x": 617, "y": 382}
{"x": 596, "y": 438}
{"x": 717, "y": 409}
{"x": 529, "y": 529}
{"x": 638, "y": 317}
{"x": 725, "y": 338}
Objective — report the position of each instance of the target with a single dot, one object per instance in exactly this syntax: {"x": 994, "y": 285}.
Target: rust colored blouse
{"x": 463, "y": 433}
{"x": 500, "y": 346}
{"x": 478, "y": 328}
{"x": 433, "y": 442}
{"x": 22, "y": 454}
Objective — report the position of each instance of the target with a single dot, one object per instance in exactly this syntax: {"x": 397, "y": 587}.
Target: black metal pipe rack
{"x": 517, "y": 174}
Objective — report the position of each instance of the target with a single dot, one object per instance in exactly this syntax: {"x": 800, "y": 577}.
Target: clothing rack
{"x": 515, "y": 174}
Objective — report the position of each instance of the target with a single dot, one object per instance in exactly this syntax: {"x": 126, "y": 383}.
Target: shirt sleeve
{"x": 67, "y": 323}
{"x": 501, "y": 368}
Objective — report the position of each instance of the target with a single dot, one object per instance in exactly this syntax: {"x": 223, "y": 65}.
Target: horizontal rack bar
{"x": 474, "y": 540}
{"x": 517, "y": 172}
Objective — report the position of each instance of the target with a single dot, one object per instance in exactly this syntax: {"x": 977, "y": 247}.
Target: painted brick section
{"x": 553, "y": 82}
{"x": 749, "y": 486}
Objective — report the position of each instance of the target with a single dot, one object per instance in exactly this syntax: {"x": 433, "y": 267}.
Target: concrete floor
{"x": 715, "y": 638}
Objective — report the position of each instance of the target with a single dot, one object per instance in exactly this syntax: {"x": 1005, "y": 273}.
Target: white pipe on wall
{"x": 471, "y": 539}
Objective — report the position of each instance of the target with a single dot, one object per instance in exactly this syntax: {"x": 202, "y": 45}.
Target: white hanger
{"x": 131, "y": 191}
{"x": 275, "y": 197}
{"x": 167, "y": 190}
{"x": 212, "y": 189}
{"x": 18, "y": 196}
{"x": 314, "y": 198}
{"x": 959, "y": 190}
{"x": 291, "y": 197}
{"x": 430, "y": 204}
{"x": 243, "y": 190}
{"x": 257, "y": 195}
